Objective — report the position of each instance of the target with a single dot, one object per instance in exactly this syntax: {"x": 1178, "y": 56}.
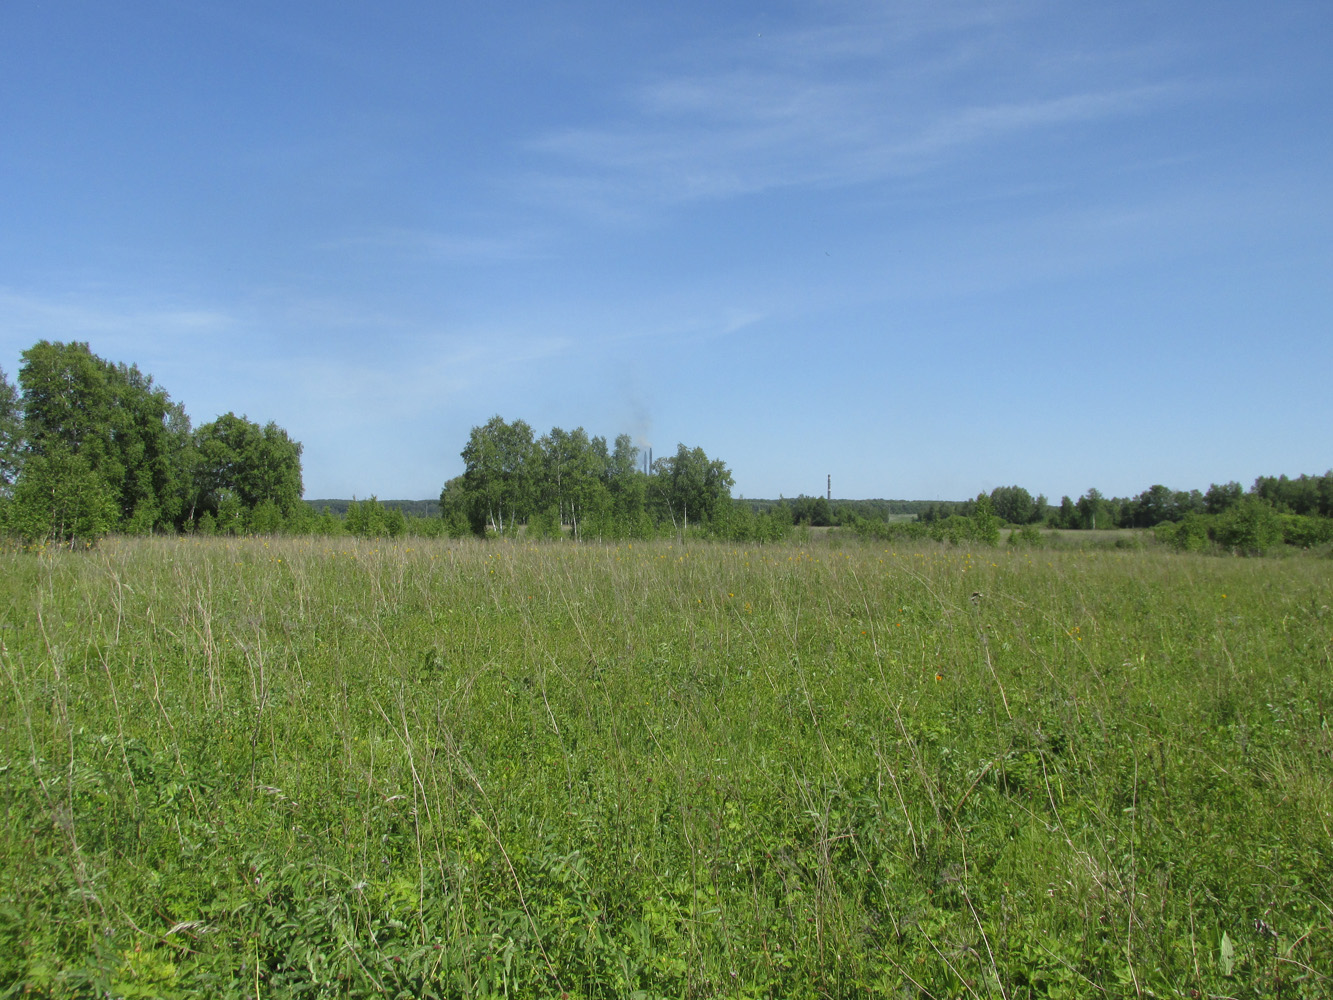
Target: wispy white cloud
{"x": 150, "y": 335}
{"x": 839, "y": 105}
{"x": 818, "y": 134}
{"x": 973, "y": 126}
{"x": 442, "y": 246}
{"x": 69, "y": 319}
{"x": 415, "y": 379}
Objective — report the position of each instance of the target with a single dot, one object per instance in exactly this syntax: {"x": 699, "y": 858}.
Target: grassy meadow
{"x": 334, "y": 768}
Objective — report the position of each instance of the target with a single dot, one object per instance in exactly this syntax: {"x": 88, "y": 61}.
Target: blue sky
{"x": 928, "y": 248}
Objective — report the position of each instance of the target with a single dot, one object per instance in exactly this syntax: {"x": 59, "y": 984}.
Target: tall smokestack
{"x": 830, "y": 487}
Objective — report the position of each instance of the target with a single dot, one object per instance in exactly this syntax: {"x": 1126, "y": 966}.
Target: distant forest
{"x": 804, "y": 509}
{"x": 89, "y": 447}
{"x": 409, "y": 508}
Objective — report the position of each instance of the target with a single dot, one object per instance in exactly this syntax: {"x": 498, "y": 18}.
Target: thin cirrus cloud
{"x": 473, "y": 363}
{"x": 445, "y": 246}
{"x": 117, "y": 326}
{"x": 833, "y": 107}
{"x": 825, "y": 134}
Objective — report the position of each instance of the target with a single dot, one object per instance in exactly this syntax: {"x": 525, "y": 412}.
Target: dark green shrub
{"x": 1305, "y": 531}
{"x": 1191, "y": 534}
{"x": 1251, "y": 527}
{"x": 544, "y": 524}
{"x": 1028, "y": 536}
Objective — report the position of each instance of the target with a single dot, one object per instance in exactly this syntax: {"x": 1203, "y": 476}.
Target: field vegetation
{"x": 341, "y": 767}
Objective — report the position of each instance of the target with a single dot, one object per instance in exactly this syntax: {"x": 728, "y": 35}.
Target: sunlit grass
{"x": 241, "y": 766}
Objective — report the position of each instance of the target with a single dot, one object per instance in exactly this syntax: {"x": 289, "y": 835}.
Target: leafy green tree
{"x": 1190, "y": 534}
{"x": 1092, "y": 511}
{"x": 181, "y": 460}
{"x": 1306, "y": 530}
{"x": 230, "y": 516}
{"x": 1151, "y": 507}
{"x": 1185, "y": 502}
{"x": 266, "y": 519}
{"x": 499, "y": 475}
{"x": 115, "y": 418}
{"x": 300, "y": 520}
{"x": 736, "y": 522}
{"x": 1252, "y": 527}
{"x": 626, "y": 516}
{"x": 1066, "y": 516}
{"x": 775, "y": 524}
{"x": 954, "y": 529}
{"x": 60, "y": 499}
{"x": 939, "y": 510}
{"x": 455, "y": 505}
{"x": 985, "y": 522}
{"x": 544, "y": 524}
{"x": 423, "y": 527}
{"x": 694, "y": 486}
{"x": 1158, "y": 504}
{"x": 1221, "y": 498}
{"x": 510, "y": 479}
{"x": 1325, "y": 491}
{"x": 573, "y": 476}
{"x": 326, "y": 524}
{"x": 372, "y": 519}
{"x": 11, "y": 434}
{"x": 357, "y": 520}
{"x": 623, "y": 462}
{"x": 1015, "y": 505}
{"x": 237, "y": 459}
{"x": 1301, "y": 495}
{"x": 813, "y": 511}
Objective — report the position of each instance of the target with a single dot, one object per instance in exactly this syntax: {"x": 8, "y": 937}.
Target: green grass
{"x": 306, "y": 768}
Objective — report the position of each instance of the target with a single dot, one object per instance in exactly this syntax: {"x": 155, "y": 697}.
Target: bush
{"x": 371, "y": 519}
{"x": 455, "y": 523}
{"x": 1305, "y": 531}
{"x": 326, "y": 524}
{"x": 1192, "y": 534}
{"x": 1251, "y": 527}
{"x": 1027, "y": 536}
{"x": 266, "y": 519}
{"x": 889, "y": 531}
{"x": 544, "y": 524}
{"x": 59, "y": 499}
{"x": 143, "y": 520}
{"x": 985, "y": 522}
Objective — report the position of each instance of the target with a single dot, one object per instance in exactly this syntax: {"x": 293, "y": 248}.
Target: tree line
{"x": 1304, "y": 496}
{"x": 88, "y": 447}
{"x": 1275, "y": 510}
{"x": 568, "y": 483}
